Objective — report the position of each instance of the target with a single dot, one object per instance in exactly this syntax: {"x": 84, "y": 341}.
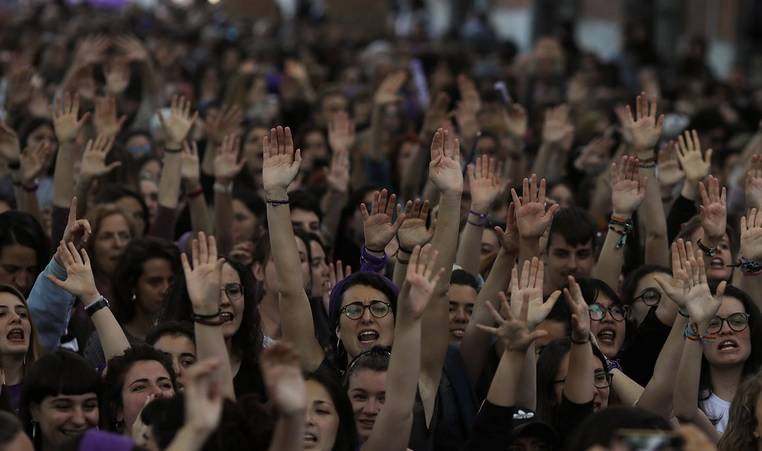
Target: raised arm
{"x": 67, "y": 124}
{"x": 532, "y": 217}
{"x": 203, "y": 276}
{"x": 280, "y": 167}
{"x": 378, "y": 228}
{"x": 412, "y": 232}
{"x": 475, "y": 346}
{"x": 203, "y": 406}
{"x": 194, "y": 192}
{"x": 446, "y": 175}
{"x": 628, "y": 189}
{"x": 93, "y": 166}
{"x": 106, "y": 119}
{"x": 751, "y": 253}
{"x": 696, "y": 164}
{"x": 484, "y": 181}
{"x": 557, "y": 137}
{"x": 579, "y": 378}
{"x": 226, "y": 167}
{"x": 341, "y": 136}
{"x": 387, "y": 93}
{"x": 285, "y": 387}
{"x": 392, "y": 428}
{"x": 33, "y": 161}
{"x": 81, "y": 283}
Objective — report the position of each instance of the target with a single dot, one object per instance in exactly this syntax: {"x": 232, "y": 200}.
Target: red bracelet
{"x": 30, "y": 188}
{"x": 195, "y": 193}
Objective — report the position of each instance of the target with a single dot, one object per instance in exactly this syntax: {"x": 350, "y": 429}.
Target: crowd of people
{"x": 219, "y": 234}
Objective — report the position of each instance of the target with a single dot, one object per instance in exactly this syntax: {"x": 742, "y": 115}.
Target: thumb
{"x": 666, "y": 286}
{"x": 56, "y": 280}
{"x": 113, "y": 166}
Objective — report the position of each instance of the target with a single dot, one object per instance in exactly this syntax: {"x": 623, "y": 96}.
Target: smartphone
{"x": 648, "y": 440}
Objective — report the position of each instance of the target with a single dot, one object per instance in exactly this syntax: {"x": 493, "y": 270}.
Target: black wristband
{"x": 375, "y": 251}
{"x": 195, "y": 316}
{"x": 580, "y": 342}
{"x": 95, "y": 306}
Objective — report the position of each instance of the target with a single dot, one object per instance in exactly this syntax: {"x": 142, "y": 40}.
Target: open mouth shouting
{"x": 16, "y": 336}
{"x": 367, "y": 337}
{"x": 606, "y": 336}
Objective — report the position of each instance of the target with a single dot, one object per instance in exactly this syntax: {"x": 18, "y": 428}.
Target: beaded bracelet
{"x": 482, "y": 218}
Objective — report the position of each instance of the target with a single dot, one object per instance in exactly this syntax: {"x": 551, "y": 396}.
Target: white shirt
{"x": 717, "y": 410}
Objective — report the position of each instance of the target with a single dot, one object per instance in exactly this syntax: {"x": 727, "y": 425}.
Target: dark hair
{"x": 367, "y": 279}
{"x": 253, "y": 203}
{"x": 753, "y": 363}
{"x": 171, "y": 328}
{"x": 111, "y": 193}
{"x": 547, "y": 368}
{"x": 575, "y": 225}
{"x": 463, "y": 277}
{"x": 34, "y": 350}
{"x": 592, "y": 288}
{"x": 601, "y": 428}
{"x": 248, "y": 339}
{"x": 60, "y": 372}
{"x": 10, "y": 427}
{"x": 630, "y": 284}
{"x": 21, "y": 228}
{"x": 303, "y": 200}
{"x": 117, "y": 370}
{"x": 130, "y": 269}
{"x": 346, "y": 435}
{"x": 687, "y": 228}
{"x": 374, "y": 359}
{"x": 29, "y": 126}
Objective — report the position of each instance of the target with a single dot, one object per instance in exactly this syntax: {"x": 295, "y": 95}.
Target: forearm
{"x": 83, "y": 193}
{"x": 50, "y": 307}
{"x": 475, "y": 345}
{"x": 223, "y": 218}
{"x": 687, "y": 391}
{"x": 210, "y": 344}
{"x": 28, "y": 203}
{"x": 63, "y": 176}
{"x": 333, "y": 203}
{"x": 627, "y": 390}
{"x": 375, "y": 150}
{"x": 199, "y": 211}
{"x": 400, "y": 267}
{"x": 528, "y": 248}
{"x": 469, "y": 248}
{"x": 189, "y": 438}
{"x": 505, "y": 383}
{"x": 113, "y": 340}
{"x": 413, "y": 173}
{"x": 289, "y": 432}
{"x": 169, "y": 184}
{"x": 657, "y": 396}
{"x": 579, "y": 378}
{"x": 610, "y": 262}
{"x": 652, "y": 212}
{"x": 527, "y": 396}
{"x": 542, "y": 164}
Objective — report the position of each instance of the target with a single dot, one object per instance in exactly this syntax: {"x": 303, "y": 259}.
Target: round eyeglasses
{"x": 233, "y": 290}
{"x": 601, "y": 379}
{"x": 649, "y": 296}
{"x": 598, "y": 312}
{"x": 356, "y": 310}
{"x": 737, "y": 322}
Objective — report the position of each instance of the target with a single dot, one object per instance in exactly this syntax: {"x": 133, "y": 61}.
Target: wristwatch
{"x": 97, "y": 305}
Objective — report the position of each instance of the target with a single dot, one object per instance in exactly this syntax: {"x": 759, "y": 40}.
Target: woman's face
{"x": 153, "y": 285}
{"x": 145, "y": 378}
{"x": 110, "y": 241}
{"x": 134, "y": 211}
{"x": 231, "y": 300}
{"x": 322, "y": 419}
{"x": 43, "y": 133}
{"x": 318, "y": 269}
{"x": 600, "y": 393}
{"x": 314, "y": 148}
{"x": 182, "y": 351}
{"x": 15, "y": 328}
{"x": 717, "y": 266}
{"x": 368, "y": 331}
{"x": 608, "y": 331}
{"x": 62, "y": 417}
{"x": 252, "y": 150}
{"x": 647, "y": 290}
{"x": 562, "y": 195}
{"x": 149, "y": 190}
{"x": 244, "y": 223}
{"x": 18, "y": 267}
{"x": 367, "y": 392}
{"x": 731, "y": 347}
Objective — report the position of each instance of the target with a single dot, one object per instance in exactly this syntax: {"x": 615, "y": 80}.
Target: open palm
{"x": 420, "y": 280}
{"x": 444, "y": 169}
{"x": 281, "y": 163}
{"x": 202, "y": 277}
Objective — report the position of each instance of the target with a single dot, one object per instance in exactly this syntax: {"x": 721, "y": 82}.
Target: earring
{"x": 34, "y": 429}
{"x": 134, "y": 296}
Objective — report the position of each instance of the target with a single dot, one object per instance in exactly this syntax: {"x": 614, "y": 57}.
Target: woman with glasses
{"x": 607, "y": 314}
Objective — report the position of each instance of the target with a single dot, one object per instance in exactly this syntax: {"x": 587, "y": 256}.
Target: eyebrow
{"x": 188, "y": 354}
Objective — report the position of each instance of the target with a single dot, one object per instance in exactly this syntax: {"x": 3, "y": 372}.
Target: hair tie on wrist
{"x": 275, "y": 202}
{"x": 382, "y": 251}
{"x": 195, "y": 193}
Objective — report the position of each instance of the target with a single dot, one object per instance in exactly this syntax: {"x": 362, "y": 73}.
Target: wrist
{"x": 173, "y": 146}
{"x": 376, "y": 250}
{"x": 277, "y": 192}
{"x": 192, "y": 184}
{"x": 478, "y": 209}
{"x": 90, "y": 297}
{"x": 621, "y": 215}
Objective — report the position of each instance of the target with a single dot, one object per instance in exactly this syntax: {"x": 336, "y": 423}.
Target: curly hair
{"x": 743, "y": 421}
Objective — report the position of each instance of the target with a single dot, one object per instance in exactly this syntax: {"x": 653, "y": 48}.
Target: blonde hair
{"x": 34, "y": 351}
{"x": 743, "y": 419}
{"x": 96, "y": 216}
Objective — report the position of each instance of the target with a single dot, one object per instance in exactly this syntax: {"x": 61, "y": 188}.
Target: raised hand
{"x": 485, "y": 183}
{"x": 91, "y": 50}
{"x": 468, "y": 107}
{"x": 753, "y": 183}
{"x": 66, "y": 120}
{"x": 678, "y": 285}
{"x": 79, "y": 274}
{"x": 94, "y": 158}
{"x": 283, "y": 378}
{"x": 594, "y": 156}
{"x": 77, "y": 231}
{"x": 202, "y": 279}
{"x": 242, "y": 253}
{"x": 713, "y": 208}
{"x": 226, "y": 164}
{"x": 516, "y": 120}
{"x": 341, "y": 132}
{"x": 105, "y": 119}
{"x": 695, "y": 165}
{"x": 34, "y": 161}
{"x": 337, "y": 175}
{"x": 219, "y": 124}
{"x": 512, "y": 331}
{"x": 132, "y": 49}
{"x": 668, "y": 170}
{"x": 336, "y": 274}
{"x": 280, "y": 161}
{"x": 580, "y": 314}
{"x": 751, "y": 234}
{"x": 644, "y": 129}
{"x": 509, "y": 238}
{"x": 10, "y": 149}
{"x": 628, "y": 187}
{"x": 20, "y": 84}
{"x": 527, "y": 290}
{"x": 436, "y": 113}
{"x": 531, "y": 217}
{"x": 388, "y": 91}
{"x": 203, "y": 396}
{"x": 178, "y": 124}
{"x": 413, "y": 231}
{"x": 377, "y": 224}
{"x": 444, "y": 169}
{"x": 420, "y": 280}
{"x": 189, "y": 164}
{"x": 557, "y": 128}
